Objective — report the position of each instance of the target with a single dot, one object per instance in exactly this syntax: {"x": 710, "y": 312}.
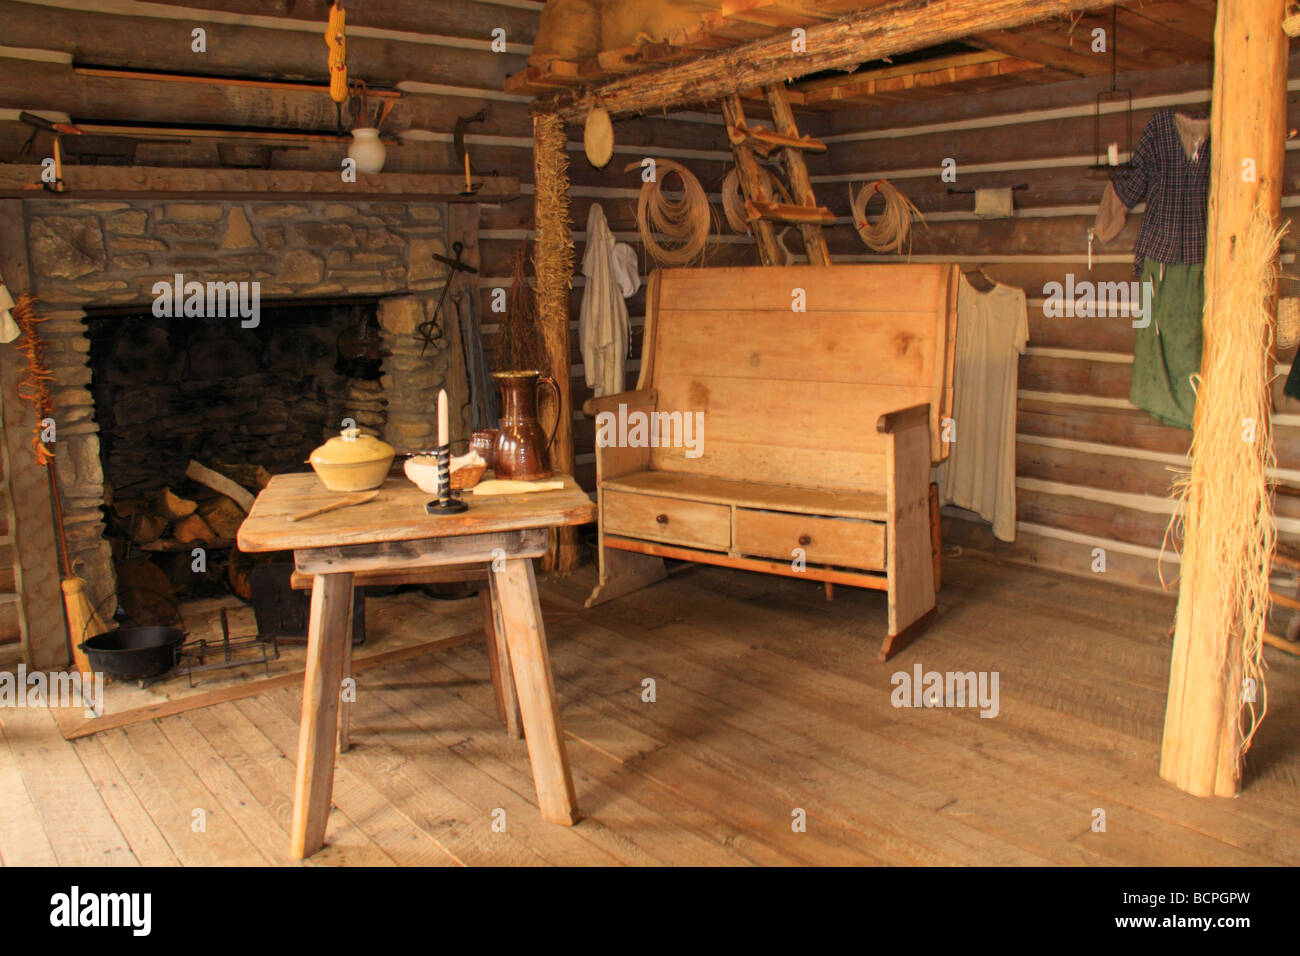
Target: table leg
{"x": 521, "y": 620}
{"x": 328, "y": 636}
{"x": 503, "y": 684}
{"x": 345, "y": 706}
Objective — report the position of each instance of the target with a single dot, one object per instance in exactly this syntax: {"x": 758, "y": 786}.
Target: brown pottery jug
{"x": 520, "y": 451}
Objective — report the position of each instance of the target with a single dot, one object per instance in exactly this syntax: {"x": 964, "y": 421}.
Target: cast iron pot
{"x": 134, "y": 653}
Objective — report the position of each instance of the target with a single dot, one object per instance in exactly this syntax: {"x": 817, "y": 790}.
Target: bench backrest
{"x": 792, "y": 397}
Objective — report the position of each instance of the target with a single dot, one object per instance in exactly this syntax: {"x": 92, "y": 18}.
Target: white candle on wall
{"x": 442, "y": 417}
{"x": 1112, "y": 153}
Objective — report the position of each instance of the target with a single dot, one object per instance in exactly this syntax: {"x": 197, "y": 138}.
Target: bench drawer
{"x": 670, "y": 520}
{"x": 847, "y": 542}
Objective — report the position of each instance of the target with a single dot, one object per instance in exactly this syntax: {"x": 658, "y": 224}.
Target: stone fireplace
{"x": 134, "y": 390}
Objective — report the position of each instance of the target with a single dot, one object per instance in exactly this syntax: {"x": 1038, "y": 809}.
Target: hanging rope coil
{"x": 894, "y": 227}
{"x": 36, "y": 380}
{"x": 685, "y": 220}
{"x": 733, "y": 203}
{"x": 338, "y": 55}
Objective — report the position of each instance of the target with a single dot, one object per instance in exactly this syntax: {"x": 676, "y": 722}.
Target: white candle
{"x": 442, "y": 417}
{"x": 1112, "y": 153}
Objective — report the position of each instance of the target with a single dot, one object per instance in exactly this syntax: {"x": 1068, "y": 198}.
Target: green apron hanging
{"x": 1168, "y": 351}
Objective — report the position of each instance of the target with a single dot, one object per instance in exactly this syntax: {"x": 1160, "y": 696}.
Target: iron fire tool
{"x": 446, "y": 504}
{"x": 431, "y": 329}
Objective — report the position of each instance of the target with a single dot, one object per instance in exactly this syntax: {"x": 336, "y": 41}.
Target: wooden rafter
{"x": 867, "y": 35}
{"x": 929, "y": 74}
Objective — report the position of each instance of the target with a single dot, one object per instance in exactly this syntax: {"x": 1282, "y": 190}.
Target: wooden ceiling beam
{"x": 140, "y": 182}
{"x": 945, "y": 71}
{"x": 868, "y": 35}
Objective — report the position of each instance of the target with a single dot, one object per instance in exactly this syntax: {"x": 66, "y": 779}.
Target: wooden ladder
{"x": 761, "y": 209}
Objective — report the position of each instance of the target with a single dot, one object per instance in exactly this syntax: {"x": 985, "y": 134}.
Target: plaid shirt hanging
{"x": 1176, "y": 188}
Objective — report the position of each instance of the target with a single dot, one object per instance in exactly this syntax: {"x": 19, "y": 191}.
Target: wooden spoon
{"x": 341, "y": 503}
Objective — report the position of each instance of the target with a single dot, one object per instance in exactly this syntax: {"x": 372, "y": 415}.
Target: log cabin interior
{"x": 701, "y": 432}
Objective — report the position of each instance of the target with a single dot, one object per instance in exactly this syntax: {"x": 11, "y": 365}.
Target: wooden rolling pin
{"x": 341, "y": 503}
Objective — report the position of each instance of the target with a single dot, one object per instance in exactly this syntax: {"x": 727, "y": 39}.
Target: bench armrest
{"x": 645, "y": 398}
{"x": 903, "y": 418}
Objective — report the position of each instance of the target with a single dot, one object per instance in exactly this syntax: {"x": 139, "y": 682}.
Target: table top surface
{"x": 397, "y": 514}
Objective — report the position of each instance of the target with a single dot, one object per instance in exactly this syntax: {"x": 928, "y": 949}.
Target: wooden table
{"x": 394, "y": 532}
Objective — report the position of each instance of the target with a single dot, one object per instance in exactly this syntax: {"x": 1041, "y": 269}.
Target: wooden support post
{"x": 1201, "y": 751}
{"x": 553, "y": 258}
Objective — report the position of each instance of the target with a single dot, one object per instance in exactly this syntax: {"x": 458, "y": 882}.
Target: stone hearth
{"x": 99, "y": 255}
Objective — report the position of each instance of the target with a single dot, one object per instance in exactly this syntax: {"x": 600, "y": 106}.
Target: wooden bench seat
{"x": 785, "y": 421}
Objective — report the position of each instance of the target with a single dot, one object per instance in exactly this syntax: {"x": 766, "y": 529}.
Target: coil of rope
{"x": 733, "y": 203}
{"x": 685, "y": 220}
{"x": 338, "y": 63}
{"x": 894, "y": 227}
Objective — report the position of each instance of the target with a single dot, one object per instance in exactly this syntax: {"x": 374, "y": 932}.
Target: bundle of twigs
{"x": 684, "y": 220}
{"x": 894, "y": 227}
{"x": 519, "y": 346}
{"x": 34, "y": 385}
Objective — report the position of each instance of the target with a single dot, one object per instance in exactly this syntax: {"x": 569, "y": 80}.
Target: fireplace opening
{"x": 244, "y": 403}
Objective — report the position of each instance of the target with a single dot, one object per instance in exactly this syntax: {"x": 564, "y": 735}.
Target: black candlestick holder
{"x": 446, "y": 504}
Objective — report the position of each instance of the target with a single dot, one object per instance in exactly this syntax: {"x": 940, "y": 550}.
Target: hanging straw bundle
{"x": 1226, "y": 499}
{"x": 894, "y": 227}
{"x": 553, "y": 243}
{"x": 685, "y": 220}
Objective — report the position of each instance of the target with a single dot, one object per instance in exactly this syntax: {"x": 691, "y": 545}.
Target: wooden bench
{"x": 819, "y": 430}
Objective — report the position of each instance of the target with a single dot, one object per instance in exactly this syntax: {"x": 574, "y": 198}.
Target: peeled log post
{"x": 553, "y": 267}
{"x": 1203, "y": 739}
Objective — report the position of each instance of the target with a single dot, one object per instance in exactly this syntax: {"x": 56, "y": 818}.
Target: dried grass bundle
{"x": 1226, "y": 499}
{"x": 686, "y": 220}
{"x": 553, "y": 249}
{"x": 520, "y": 343}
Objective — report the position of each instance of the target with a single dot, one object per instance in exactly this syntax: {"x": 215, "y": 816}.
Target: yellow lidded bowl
{"x": 352, "y": 461}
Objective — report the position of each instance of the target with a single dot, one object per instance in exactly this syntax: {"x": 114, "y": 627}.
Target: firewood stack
{"x": 153, "y": 537}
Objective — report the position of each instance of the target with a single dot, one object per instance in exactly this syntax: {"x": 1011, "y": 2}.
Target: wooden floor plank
{"x": 143, "y": 836}
{"x": 361, "y": 798}
{"x": 174, "y": 796}
{"x": 76, "y": 821}
{"x": 473, "y": 733}
{"x": 22, "y": 834}
{"x": 267, "y": 772}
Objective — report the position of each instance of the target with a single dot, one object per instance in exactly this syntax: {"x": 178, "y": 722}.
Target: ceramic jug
{"x": 520, "y": 451}
{"x": 367, "y": 149}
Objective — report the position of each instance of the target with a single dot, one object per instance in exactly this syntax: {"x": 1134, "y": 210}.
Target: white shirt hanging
{"x": 980, "y": 472}
{"x": 603, "y": 321}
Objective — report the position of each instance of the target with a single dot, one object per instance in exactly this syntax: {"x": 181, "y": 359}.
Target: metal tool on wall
{"x": 430, "y": 330}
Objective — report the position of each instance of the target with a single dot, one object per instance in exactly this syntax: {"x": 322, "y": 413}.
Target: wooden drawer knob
{"x": 805, "y": 540}
{"x": 662, "y": 519}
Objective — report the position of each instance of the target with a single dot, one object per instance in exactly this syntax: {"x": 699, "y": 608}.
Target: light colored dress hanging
{"x": 980, "y": 472}
{"x": 603, "y": 321}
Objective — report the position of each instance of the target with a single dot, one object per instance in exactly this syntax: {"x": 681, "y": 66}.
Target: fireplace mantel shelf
{"x": 142, "y": 182}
